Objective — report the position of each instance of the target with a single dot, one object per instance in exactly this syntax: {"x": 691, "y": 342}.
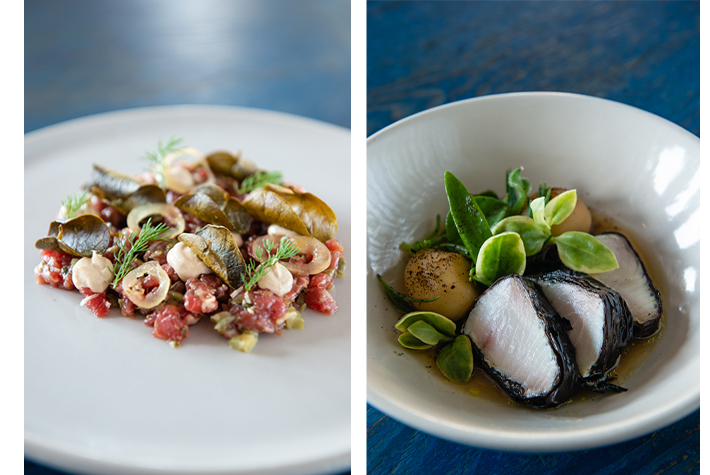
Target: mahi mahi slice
{"x": 522, "y": 344}
{"x": 601, "y": 321}
{"x": 632, "y": 281}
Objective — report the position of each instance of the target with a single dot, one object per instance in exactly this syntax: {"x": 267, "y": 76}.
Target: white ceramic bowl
{"x": 635, "y": 167}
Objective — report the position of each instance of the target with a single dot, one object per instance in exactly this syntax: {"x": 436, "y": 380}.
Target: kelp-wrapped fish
{"x": 522, "y": 344}
{"x": 632, "y": 281}
{"x": 601, "y": 322}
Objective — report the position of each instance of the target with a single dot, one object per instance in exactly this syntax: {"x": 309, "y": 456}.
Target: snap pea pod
{"x": 470, "y": 221}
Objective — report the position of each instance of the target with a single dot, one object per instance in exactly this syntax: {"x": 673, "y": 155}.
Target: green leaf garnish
{"x": 584, "y": 253}
{"x": 493, "y": 209}
{"x": 537, "y": 210}
{"x": 411, "y": 342}
{"x": 455, "y": 361}
{"x": 534, "y": 238}
{"x": 72, "y": 203}
{"x": 560, "y": 207}
{"x": 157, "y": 159}
{"x": 452, "y": 234}
{"x": 259, "y": 180}
{"x": 140, "y": 241}
{"x": 286, "y": 250}
{"x": 517, "y": 189}
{"x": 427, "y": 333}
{"x": 500, "y": 255}
{"x": 544, "y": 190}
{"x": 437, "y": 321}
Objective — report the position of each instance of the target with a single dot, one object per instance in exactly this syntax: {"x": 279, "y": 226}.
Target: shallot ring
{"x": 170, "y": 212}
{"x": 133, "y": 287}
{"x": 309, "y": 246}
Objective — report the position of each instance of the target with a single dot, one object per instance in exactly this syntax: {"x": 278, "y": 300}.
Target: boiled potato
{"x": 431, "y": 273}
{"x": 579, "y": 220}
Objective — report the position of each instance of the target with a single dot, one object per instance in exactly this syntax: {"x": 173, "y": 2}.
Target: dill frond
{"x": 259, "y": 180}
{"x": 157, "y": 159}
{"x": 72, "y": 203}
{"x": 141, "y": 240}
{"x": 286, "y": 250}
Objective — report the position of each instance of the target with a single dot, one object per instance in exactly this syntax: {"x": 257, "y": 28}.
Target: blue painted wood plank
{"x": 396, "y": 448}
{"x": 423, "y": 54}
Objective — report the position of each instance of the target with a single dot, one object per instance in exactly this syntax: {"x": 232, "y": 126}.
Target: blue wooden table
{"x": 84, "y": 57}
{"x": 423, "y": 54}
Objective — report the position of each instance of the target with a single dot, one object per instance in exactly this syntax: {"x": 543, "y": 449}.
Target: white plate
{"x": 641, "y": 170}
{"x": 104, "y": 396}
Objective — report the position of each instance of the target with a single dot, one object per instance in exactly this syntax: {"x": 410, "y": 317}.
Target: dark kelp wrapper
{"x": 521, "y": 343}
{"x": 601, "y": 323}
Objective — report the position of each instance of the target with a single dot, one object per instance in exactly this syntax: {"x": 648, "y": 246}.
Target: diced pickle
{"x": 244, "y": 342}
{"x": 294, "y": 320}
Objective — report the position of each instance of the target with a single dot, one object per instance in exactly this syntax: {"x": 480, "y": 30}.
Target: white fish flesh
{"x": 522, "y": 344}
{"x": 601, "y": 321}
{"x": 632, "y": 281}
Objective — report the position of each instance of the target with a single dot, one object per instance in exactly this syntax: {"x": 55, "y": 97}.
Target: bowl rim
{"x": 525, "y": 94}
{"x": 584, "y": 438}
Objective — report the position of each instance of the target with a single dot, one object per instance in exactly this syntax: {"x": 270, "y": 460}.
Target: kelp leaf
{"x": 237, "y": 214}
{"x": 215, "y": 192}
{"x": 231, "y": 165}
{"x": 216, "y": 247}
{"x": 221, "y": 210}
{"x": 145, "y": 194}
{"x": 77, "y": 236}
{"x": 113, "y": 185}
{"x": 271, "y": 208}
{"x": 204, "y": 208}
{"x": 303, "y": 213}
{"x": 316, "y": 215}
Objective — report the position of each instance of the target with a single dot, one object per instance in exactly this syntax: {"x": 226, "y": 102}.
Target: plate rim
{"x": 53, "y": 453}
